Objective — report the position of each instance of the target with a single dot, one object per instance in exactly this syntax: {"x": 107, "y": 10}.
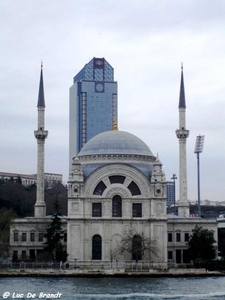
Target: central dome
{"x": 115, "y": 142}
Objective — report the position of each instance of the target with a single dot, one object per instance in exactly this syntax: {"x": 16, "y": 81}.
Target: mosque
{"x": 116, "y": 189}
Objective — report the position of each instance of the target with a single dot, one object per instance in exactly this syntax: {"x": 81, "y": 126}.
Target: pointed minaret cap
{"x": 182, "y": 93}
{"x": 41, "y": 97}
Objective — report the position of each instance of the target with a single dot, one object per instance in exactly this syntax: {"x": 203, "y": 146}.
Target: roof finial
{"x": 41, "y": 64}
{"x": 182, "y": 66}
{"x": 115, "y": 126}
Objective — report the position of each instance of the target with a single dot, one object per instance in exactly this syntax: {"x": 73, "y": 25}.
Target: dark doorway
{"x": 137, "y": 248}
{"x": 96, "y": 247}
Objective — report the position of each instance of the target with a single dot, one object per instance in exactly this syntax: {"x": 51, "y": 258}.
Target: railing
{"x": 90, "y": 266}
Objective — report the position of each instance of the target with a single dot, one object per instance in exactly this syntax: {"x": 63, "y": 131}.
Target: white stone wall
{"x": 82, "y": 226}
{"x": 28, "y": 226}
{"x": 185, "y": 226}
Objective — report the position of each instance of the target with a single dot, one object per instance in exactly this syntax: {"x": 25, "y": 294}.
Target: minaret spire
{"x": 40, "y": 134}
{"x": 41, "y": 97}
{"x": 182, "y": 92}
{"x": 182, "y": 134}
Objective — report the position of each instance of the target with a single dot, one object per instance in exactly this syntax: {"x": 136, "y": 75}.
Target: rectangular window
{"x": 15, "y": 254}
{"x": 117, "y": 206}
{"x": 32, "y": 237}
{"x": 41, "y": 237}
{"x": 170, "y": 255}
{"x": 178, "y": 237}
{"x": 32, "y": 253}
{"x": 96, "y": 209}
{"x": 170, "y": 237}
{"x": 24, "y": 254}
{"x": 186, "y": 258}
{"x": 24, "y": 236}
{"x": 65, "y": 237}
{"x": 186, "y": 237}
{"x": 137, "y": 210}
{"x": 178, "y": 256}
{"x": 15, "y": 236}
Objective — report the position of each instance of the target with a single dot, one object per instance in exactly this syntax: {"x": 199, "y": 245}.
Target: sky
{"x": 145, "y": 41}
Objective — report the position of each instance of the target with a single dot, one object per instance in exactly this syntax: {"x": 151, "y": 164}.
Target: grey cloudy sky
{"x": 145, "y": 41}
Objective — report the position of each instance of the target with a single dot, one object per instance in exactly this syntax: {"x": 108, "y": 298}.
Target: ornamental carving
{"x": 75, "y": 189}
{"x": 159, "y": 208}
{"x": 159, "y": 190}
{"x": 117, "y": 191}
{"x": 75, "y": 206}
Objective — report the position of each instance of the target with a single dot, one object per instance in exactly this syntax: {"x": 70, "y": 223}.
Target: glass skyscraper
{"x": 170, "y": 189}
{"x": 93, "y": 103}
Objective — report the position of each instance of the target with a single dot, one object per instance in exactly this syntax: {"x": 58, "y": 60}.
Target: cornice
{"x": 117, "y": 157}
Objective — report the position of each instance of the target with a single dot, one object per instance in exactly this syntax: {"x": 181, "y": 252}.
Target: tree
{"x": 22, "y": 199}
{"x": 200, "y": 244}
{"x": 16, "y": 196}
{"x": 18, "y": 180}
{"x": 137, "y": 245}
{"x": 54, "y": 235}
{"x": 58, "y": 191}
{"x": 6, "y": 216}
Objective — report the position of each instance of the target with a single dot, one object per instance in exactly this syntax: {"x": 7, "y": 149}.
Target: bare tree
{"x": 138, "y": 245}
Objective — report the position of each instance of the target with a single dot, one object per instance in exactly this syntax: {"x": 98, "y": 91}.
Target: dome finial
{"x": 115, "y": 126}
{"x": 182, "y": 67}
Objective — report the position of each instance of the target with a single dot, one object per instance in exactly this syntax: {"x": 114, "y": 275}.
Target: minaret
{"x": 40, "y": 134}
{"x": 182, "y": 134}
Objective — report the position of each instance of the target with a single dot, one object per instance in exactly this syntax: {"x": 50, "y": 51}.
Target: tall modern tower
{"x": 182, "y": 134}
{"x": 93, "y": 104}
{"x": 40, "y": 134}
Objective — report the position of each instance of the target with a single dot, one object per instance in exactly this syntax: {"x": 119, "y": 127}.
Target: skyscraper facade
{"x": 93, "y": 103}
{"x": 170, "y": 191}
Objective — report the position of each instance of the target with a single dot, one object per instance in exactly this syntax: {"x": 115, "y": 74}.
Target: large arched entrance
{"x": 137, "y": 247}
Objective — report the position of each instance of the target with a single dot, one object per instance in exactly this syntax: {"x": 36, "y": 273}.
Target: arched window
{"x": 97, "y": 247}
{"x": 117, "y": 206}
{"x": 117, "y": 179}
{"x": 100, "y": 188}
{"x": 134, "y": 189}
{"x": 137, "y": 247}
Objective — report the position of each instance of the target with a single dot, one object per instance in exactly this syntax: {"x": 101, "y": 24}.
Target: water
{"x": 108, "y": 288}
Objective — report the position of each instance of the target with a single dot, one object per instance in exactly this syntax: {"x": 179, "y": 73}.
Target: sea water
{"x": 110, "y": 288}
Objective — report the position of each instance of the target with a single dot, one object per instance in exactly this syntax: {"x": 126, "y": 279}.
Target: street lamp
{"x": 198, "y": 149}
{"x": 174, "y": 191}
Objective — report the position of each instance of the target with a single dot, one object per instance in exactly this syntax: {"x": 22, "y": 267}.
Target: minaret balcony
{"x": 41, "y": 134}
{"x": 182, "y": 133}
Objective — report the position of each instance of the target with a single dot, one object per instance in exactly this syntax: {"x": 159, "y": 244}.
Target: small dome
{"x": 115, "y": 142}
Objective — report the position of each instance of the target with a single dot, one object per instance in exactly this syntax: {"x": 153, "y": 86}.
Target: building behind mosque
{"x": 93, "y": 104}
{"x": 116, "y": 185}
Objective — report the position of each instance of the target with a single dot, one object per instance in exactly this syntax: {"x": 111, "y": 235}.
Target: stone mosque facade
{"x": 116, "y": 185}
